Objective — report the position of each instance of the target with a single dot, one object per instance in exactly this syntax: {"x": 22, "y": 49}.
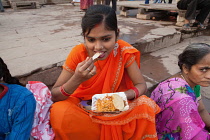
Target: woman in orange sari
{"x": 117, "y": 69}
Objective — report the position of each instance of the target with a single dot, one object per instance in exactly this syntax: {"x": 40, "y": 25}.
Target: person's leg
{"x": 69, "y": 121}
{"x": 72, "y": 2}
{"x": 190, "y": 6}
{"x": 107, "y": 2}
{"x": 1, "y": 7}
{"x": 169, "y": 1}
{"x": 98, "y": 2}
{"x": 204, "y": 6}
{"x": 182, "y": 5}
{"x": 114, "y": 4}
{"x": 102, "y": 1}
{"x": 191, "y": 10}
{"x": 155, "y": 1}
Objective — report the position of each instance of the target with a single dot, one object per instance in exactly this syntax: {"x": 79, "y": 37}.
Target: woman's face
{"x": 100, "y": 40}
{"x": 200, "y": 73}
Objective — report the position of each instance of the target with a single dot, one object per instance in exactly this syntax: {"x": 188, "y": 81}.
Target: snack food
{"x": 110, "y": 103}
{"x": 96, "y": 55}
{"x": 118, "y": 102}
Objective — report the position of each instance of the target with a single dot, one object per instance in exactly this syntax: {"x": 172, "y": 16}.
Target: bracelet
{"x": 63, "y": 91}
{"x": 136, "y": 92}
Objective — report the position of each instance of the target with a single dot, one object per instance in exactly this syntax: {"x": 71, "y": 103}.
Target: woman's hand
{"x": 85, "y": 69}
{"x": 70, "y": 81}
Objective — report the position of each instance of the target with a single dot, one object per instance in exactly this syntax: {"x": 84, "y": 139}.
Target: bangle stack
{"x": 63, "y": 91}
{"x": 136, "y": 91}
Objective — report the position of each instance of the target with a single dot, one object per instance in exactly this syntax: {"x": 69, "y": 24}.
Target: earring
{"x": 115, "y": 49}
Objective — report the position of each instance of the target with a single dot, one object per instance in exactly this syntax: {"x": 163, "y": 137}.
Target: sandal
{"x": 199, "y": 25}
{"x": 72, "y": 3}
{"x": 186, "y": 27}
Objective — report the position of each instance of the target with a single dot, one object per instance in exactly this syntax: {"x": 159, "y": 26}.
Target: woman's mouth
{"x": 102, "y": 54}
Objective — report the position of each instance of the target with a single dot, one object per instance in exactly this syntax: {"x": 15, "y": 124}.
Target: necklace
{"x": 182, "y": 76}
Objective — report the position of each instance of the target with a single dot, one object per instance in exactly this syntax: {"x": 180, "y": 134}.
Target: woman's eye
{"x": 91, "y": 39}
{"x": 204, "y": 70}
{"x": 106, "y": 39}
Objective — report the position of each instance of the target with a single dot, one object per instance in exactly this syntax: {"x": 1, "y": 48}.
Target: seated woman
{"x": 17, "y": 106}
{"x": 115, "y": 70}
{"x": 191, "y": 6}
{"x": 183, "y": 115}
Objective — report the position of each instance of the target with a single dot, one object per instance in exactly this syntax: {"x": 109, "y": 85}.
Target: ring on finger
{"x": 88, "y": 69}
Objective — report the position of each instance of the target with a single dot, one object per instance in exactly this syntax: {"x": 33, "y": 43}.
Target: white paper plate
{"x": 101, "y": 96}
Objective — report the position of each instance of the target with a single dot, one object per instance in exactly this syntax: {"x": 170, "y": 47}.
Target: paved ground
{"x": 33, "y": 42}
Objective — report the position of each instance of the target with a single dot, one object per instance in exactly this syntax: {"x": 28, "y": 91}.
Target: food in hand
{"x": 110, "y": 103}
{"x": 96, "y": 55}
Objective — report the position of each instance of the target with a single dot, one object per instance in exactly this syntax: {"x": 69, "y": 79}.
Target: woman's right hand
{"x": 70, "y": 81}
{"x": 85, "y": 69}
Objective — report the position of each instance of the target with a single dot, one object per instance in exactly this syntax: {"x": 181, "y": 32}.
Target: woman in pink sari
{"x": 183, "y": 115}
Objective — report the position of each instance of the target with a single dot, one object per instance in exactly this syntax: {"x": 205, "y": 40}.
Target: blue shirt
{"x": 17, "y": 109}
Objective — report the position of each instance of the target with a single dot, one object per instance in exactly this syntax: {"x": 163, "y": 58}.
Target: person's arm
{"x": 71, "y": 81}
{"x": 204, "y": 114}
{"x": 137, "y": 79}
{"x": 23, "y": 116}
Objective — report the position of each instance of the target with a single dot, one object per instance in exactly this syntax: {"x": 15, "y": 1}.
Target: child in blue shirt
{"x": 17, "y": 107}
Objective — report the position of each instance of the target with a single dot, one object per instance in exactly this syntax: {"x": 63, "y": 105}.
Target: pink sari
{"x": 41, "y": 129}
{"x": 179, "y": 118}
{"x": 85, "y": 4}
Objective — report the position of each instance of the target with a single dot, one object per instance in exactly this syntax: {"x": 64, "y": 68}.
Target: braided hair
{"x": 5, "y": 74}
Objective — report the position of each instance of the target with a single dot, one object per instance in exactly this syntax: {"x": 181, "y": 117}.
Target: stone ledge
{"x": 47, "y": 76}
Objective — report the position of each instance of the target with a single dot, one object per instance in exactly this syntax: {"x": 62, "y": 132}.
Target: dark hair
{"x": 192, "y": 54}
{"x": 97, "y": 14}
{"x": 5, "y": 74}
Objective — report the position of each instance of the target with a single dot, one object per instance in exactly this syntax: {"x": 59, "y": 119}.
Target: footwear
{"x": 186, "y": 27}
{"x": 72, "y": 3}
{"x": 199, "y": 25}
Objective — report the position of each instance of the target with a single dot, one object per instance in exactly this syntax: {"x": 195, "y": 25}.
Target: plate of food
{"x": 109, "y": 102}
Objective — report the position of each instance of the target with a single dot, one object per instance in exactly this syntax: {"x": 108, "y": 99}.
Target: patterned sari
{"x": 70, "y": 121}
{"x": 179, "y": 118}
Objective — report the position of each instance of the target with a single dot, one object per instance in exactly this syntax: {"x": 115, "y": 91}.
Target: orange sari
{"x": 70, "y": 121}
